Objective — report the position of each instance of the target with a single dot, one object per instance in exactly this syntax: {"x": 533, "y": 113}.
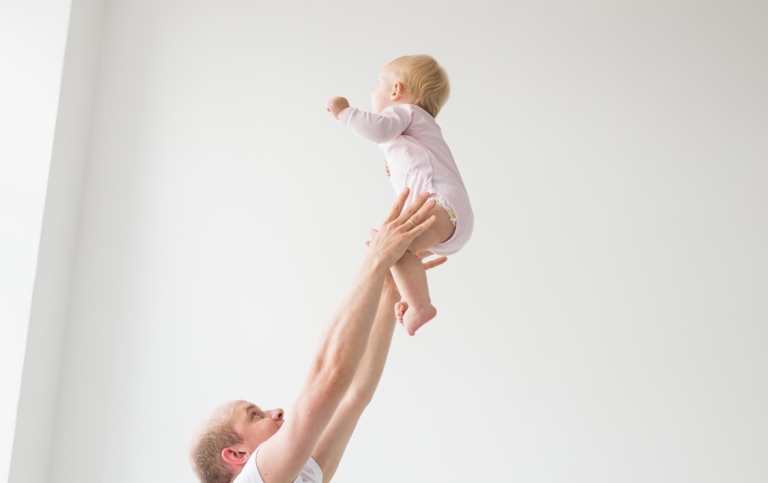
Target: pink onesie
{"x": 418, "y": 158}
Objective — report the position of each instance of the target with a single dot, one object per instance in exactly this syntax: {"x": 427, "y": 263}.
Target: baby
{"x": 410, "y": 93}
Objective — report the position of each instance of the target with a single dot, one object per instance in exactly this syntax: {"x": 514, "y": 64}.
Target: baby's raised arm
{"x": 378, "y": 128}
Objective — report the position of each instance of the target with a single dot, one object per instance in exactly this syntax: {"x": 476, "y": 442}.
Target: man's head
{"x": 412, "y": 79}
{"x": 224, "y": 443}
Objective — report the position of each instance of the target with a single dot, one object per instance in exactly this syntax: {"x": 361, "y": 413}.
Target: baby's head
{"x": 412, "y": 79}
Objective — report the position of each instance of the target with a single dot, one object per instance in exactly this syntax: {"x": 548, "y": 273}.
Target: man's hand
{"x": 336, "y": 106}
{"x": 400, "y": 228}
{"x": 389, "y": 282}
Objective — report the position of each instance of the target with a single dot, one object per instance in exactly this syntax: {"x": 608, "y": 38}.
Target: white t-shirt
{"x": 311, "y": 473}
{"x": 419, "y": 158}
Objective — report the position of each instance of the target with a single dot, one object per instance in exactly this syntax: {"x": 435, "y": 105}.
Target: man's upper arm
{"x": 333, "y": 442}
{"x": 282, "y": 456}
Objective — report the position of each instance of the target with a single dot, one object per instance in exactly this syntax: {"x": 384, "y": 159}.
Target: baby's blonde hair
{"x": 424, "y": 79}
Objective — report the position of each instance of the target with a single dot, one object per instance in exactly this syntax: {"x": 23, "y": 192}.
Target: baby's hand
{"x": 336, "y": 106}
{"x": 386, "y": 166}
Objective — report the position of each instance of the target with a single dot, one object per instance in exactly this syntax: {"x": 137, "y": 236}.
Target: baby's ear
{"x": 398, "y": 90}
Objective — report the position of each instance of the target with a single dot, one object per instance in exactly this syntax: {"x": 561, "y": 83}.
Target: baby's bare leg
{"x": 411, "y": 279}
{"x": 416, "y": 309}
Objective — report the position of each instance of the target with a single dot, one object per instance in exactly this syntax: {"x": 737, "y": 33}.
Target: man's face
{"x": 252, "y": 424}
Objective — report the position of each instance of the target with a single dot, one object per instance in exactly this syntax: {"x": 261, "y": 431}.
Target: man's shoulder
{"x": 311, "y": 473}
{"x": 249, "y": 473}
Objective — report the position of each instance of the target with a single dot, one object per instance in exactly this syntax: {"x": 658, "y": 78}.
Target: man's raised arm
{"x": 332, "y": 444}
{"x": 282, "y": 457}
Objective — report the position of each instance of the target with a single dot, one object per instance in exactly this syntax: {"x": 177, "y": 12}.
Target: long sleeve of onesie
{"x": 378, "y": 128}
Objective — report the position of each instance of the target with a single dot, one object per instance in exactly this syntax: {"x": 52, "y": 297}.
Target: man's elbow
{"x": 359, "y": 396}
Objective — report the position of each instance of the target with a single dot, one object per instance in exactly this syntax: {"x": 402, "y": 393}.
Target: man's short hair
{"x": 205, "y": 453}
{"x": 424, "y": 79}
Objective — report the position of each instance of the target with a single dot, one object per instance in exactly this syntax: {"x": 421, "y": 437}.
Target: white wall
{"x": 32, "y": 37}
{"x": 606, "y": 323}
{"x": 47, "y": 324}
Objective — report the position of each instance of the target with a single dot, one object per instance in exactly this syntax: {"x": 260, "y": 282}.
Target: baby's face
{"x": 381, "y": 95}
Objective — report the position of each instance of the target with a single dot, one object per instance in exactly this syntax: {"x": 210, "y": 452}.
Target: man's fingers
{"x": 415, "y": 211}
{"x": 402, "y": 226}
{"x": 434, "y": 263}
{"x": 398, "y": 208}
{"x": 373, "y": 234}
{"x": 418, "y": 224}
{"x": 420, "y": 228}
{"x": 422, "y": 254}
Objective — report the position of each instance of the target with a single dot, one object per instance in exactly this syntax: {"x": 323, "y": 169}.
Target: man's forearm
{"x": 332, "y": 444}
{"x": 372, "y": 366}
{"x": 346, "y": 338}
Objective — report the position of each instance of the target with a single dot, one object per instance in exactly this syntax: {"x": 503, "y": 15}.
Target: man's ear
{"x": 235, "y": 455}
{"x": 398, "y": 91}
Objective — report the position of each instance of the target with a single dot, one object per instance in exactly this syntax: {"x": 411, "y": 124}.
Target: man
{"x": 307, "y": 447}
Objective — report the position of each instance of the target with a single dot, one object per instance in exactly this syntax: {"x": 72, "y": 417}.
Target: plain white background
{"x": 32, "y": 43}
{"x": 606, "y": 323}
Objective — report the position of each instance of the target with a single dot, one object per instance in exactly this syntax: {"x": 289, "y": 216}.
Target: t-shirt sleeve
{"x": 312, "y": 473}
{"x": 378, "y": 128}
{"x": 249, "y": 473}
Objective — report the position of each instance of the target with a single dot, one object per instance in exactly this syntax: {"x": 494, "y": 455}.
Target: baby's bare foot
{"x": 415, "y": 317}
{"x": 400, "y": 309}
